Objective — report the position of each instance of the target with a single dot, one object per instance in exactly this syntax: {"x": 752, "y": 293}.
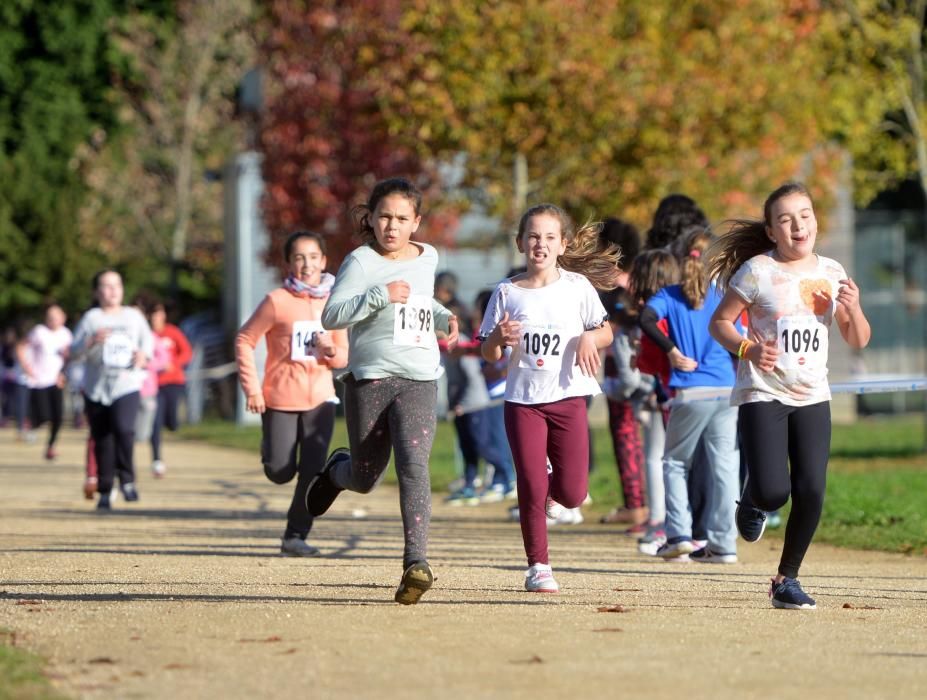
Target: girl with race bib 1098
{"x": 791, "y": 296}
{"x": 552, "y": 318}
{"x": 383, "y": 295}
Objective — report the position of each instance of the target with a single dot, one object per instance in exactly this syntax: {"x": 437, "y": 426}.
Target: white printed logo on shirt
{"x": 413, "y": 323}
{"x": 802, "y": 342}
{"x": 118, "y": 350}
{"x": 304, "y": 343}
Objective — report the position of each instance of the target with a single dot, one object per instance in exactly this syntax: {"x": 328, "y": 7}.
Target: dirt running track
{"x": 183, "y": 595}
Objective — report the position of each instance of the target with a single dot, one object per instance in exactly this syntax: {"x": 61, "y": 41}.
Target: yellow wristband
{"x": 744, "y": 346}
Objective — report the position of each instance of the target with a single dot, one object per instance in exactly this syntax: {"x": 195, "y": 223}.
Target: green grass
{"x": 21, "y": 675}
{"x": 876, "y": 491}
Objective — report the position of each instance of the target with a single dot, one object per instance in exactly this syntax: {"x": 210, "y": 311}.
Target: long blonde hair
{"x": 584, "y": 252}
{"x": 746, "y": 238}
{"x": 693, "y": 278}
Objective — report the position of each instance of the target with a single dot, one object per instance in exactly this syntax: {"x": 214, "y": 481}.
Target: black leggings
{"x": 776, "y": 437}
{"x": 48, "y": 407}
{"x": 113, "y": 431}
{"x": 169, "y": 397}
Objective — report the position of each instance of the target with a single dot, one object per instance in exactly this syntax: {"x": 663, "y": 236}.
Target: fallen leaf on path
{"x": 275, "y": 638}
{"x": 30, "y": 602}
{"x": 101, "y": 660}
{"x": 533, "y": 660}
{"x": 614, "y": 609}
{"x": 629, "y": 590}
{"x": 177, "y": 667}
{"x": 850, "y": 606}
{"x": 609, "y": 629}
{"x": 289, "y": 651}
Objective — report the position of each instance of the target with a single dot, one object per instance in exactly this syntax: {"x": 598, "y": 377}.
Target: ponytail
{"x": 694, "y": 281}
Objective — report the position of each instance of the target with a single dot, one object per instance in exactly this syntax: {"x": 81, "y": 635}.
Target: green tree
{"x": 55, "y": 61}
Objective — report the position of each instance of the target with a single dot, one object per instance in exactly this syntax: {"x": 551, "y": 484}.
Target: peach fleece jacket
{"x": 289, "y": 385}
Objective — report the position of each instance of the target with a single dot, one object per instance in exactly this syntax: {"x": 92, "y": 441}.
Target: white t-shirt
{"x": 783, "y": 307}
{"x": 47, "y": 350}
{"x": 542, "y": 368}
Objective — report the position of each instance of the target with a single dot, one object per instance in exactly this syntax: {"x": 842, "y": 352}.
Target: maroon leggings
{"x": 559, "y": 431}
{"x": 629, "y": 454}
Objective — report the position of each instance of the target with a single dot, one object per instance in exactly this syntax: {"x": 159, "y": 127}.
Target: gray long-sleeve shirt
{"x": 387, "y": 339}
{"x": 109, "y": 373}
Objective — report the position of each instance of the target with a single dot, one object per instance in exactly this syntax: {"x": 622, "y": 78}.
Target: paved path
{"x": 183, "y": 595}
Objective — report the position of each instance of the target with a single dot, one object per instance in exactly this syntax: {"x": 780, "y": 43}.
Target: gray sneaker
{"x": 297, "y": 547}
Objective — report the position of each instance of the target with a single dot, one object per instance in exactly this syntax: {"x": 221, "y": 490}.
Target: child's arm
{"x": 506, "y": 333}
{"x": 353, "y": 298}
{"x": 587, "y": 351}
{"x": 722, "y": 329}
{"x": 850, "y": 317}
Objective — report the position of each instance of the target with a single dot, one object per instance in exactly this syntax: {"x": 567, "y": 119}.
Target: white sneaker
{"x": 297, "y": 547}
{"x": 494, "y": 494}
{"x": 540, "y": 579}
{"x": 158, "y": 468}
{"x": 554, "y": 509}
{"x": 567, "y": 516}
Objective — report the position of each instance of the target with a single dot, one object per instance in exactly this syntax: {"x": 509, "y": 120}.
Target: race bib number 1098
{"x": 413, "y": 323}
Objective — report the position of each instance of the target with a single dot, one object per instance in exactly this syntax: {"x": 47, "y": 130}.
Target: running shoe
{"x": 651, "y": 540}
{"x": 751, "y": 522}
{"x": 774, "y": 520}
{"x": 676, "y": 551}
{"x": 129, "y": 492}
{"x": 90, "y": 487}
{"x": 465, "y": 496}
{"x": 416, "y": 579}
{"x": 494, "y": 494}
{"x": 297, "y": 547}
{"x": 788, "y": 595}
{"x": 554, "y": 510}
{"x": 540, "y": 579}
{"x": 706, "y": 555}
{"x": 158, "y": 469}
{"x": 323, "y": 492}
{"x": 567, "y": 516}
{"x": 51, "y": 453}
{"x": 104, "y": 504}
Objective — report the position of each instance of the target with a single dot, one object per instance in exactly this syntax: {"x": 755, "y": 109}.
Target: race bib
{"x": 304, "y": 343}
{"x": 802, "y": 342}
{"x": 541, "y": 348}
{"x": 413, "y": 323}
{"x": 118, "y": 350}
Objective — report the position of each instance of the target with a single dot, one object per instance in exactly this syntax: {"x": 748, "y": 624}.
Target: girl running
{"x": 697, "y": 361}
{"x": 172, "y": 382}
{"x": 791, "y": 295}
{"x": 383, "y": 294}
{"x": 116, "y": 343}
{"x": 552, "y": 318}
{"x": 297, "y": 399}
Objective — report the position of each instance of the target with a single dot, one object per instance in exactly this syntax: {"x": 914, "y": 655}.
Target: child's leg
{"x": 654, "y": 439}
{"x": 687, "y": 421}
{"x": 809, "y": 450}
{"x": 720, "y": 441}
{"x": 526, "y": 427}
{"x": 313, "y": 433}
{"x": 764, "y": 436}
{"x": 412, "y": 423}
{"x": 568, "y": 449}
{"x": 469, "y": 448}
{"x": 366, "y": 413}
{"x": 626, "y": 443}
{"x": 56, "y": 401}
{"x": 498, "y": 453}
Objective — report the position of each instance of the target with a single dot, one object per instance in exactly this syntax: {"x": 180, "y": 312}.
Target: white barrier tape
{"x": 863, "y": 386}
{"x": 217, "y": 372}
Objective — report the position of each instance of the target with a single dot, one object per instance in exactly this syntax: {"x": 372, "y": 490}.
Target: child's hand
{"x": 398, "y": 292}
{"x": 763, "y": 355}
{"x": 507, "y": 332}
{"x": 681, "y": 362}
{"x": 848, "y": 296}
{"x": 587, "y": 355}
{"x": 453, "y": 333}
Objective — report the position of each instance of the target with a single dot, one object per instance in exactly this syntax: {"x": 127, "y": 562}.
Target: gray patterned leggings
{"x": 387, "y": 414}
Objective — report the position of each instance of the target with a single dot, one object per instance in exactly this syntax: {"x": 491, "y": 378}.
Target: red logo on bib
{"x": 801, "y": 360}
{"x": 540, "y": 362}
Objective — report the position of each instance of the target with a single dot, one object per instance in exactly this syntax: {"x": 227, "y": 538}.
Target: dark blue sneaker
{"x": 323, "y": 492}
{"x": 788, "y": 595}
{"x": 751, "y": 522}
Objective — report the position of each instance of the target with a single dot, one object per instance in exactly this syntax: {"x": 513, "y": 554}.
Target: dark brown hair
{"x": 394, "y": 185}
{"x": 651, "y": 271}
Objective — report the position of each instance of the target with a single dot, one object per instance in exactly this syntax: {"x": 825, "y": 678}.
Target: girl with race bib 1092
{"x": 296, "y": 400}
{"x": 383, "y": 295}
{"x": 552, "y": 318}
{"x": 792, "y": 296}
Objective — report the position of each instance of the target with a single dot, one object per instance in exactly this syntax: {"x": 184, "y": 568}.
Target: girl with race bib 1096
{"x": 383, "y": 295}
{"x": 792, "y": 296}
{"x": 296, "y": 400}
{"x": 552, "y": 318}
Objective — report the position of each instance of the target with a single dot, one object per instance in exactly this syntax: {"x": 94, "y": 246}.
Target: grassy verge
{"x": 21, "y": 676}
{"x": 876, "y": 491}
